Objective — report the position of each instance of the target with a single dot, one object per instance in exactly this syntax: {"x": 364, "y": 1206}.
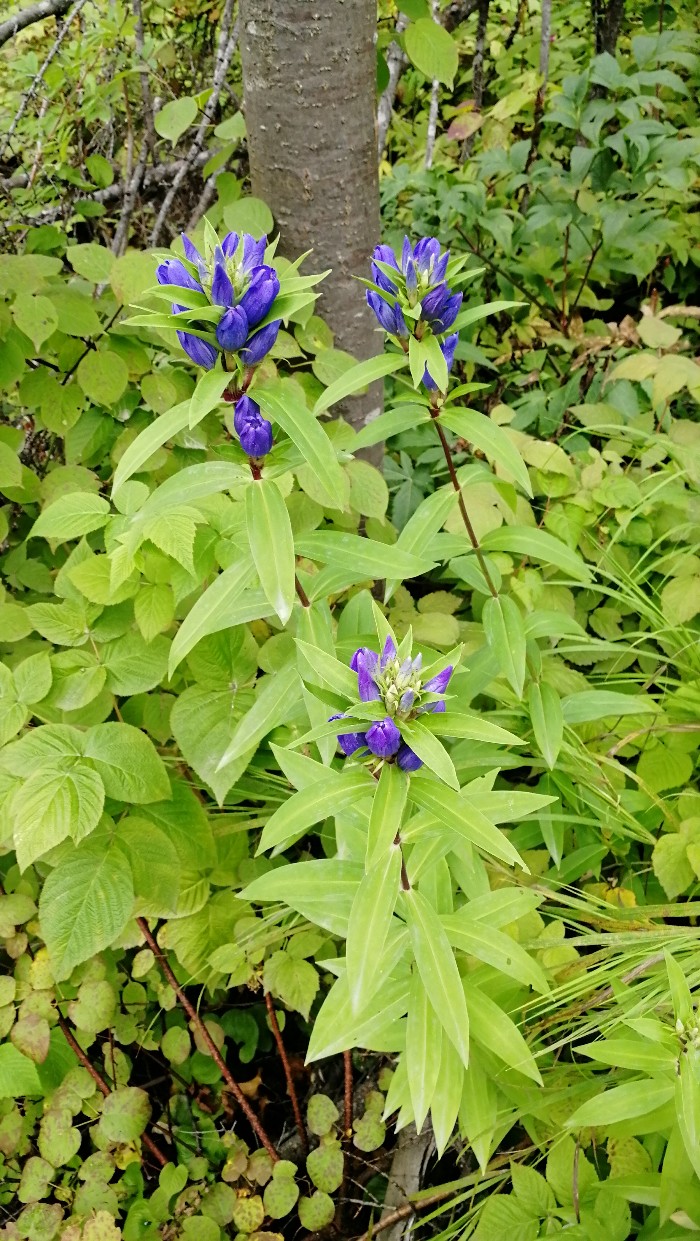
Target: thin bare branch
{"x": 27, "y": 17}
{"x": 29, "y": 95}
{"x": 395, "y": 61}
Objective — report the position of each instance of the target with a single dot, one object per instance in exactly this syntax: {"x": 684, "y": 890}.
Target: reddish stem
{"x": 291, "y": 1089}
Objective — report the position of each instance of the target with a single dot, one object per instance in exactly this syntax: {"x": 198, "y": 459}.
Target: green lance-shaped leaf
{"x": 468, "y": 728}
{"x": 592, "y": 704}
{"x": 491, "y": 439}
{"x": 326, "y": 797}
{"x": 271, "y": 544}
{"x": 273, "y": 697}
{"x": 214, "y": 610}
{"x": 385, "y": 817}
{"x": 403, "y": 418}
{"x": 505, "y": 634}
{"x": 430, "y": 750}
{"x": 626, "y": 1102}
{"x": 368, "y": 928}
{"x": 494, "y": 948}
{"x": 358, "y": 377}
{"x": 438, "y": 970}
{"x": 145, "y": 444}
{"x": 491, "y": 1027}
{"x": 460, "y": 816}
{"x": 322, "y": 890}
{"x": 472, "y": 314}
{"x": 195, "y": 482}
{"x": 423, "y": 1050}
{"x": 370, "y": 557}
{"x": 544, "y": 705}
{"x": 207, "y": 395}
{"x": 288, "y": 410}
{"x": 436, "y": 364}
{"x": 524, "y": 541}
{"x": 687, "y": 1091}
{"x": 319, "y": 666}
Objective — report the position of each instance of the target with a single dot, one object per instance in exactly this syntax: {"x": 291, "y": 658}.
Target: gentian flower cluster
{"x": 397, "y": 687}
{"x": 234, "y": 277}
{"x": 254, "y": 431}
{"x": 412, "y": 295}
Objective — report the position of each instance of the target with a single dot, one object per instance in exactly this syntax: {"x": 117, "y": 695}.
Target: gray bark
{"x": 395, "y": 61}
{"x": 607, "y": 23}
{"x": 309, "y": 77}
{"x": 27, "y": 17}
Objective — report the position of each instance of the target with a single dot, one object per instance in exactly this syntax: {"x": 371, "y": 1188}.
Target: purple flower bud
{"x": 384, "y": 254}
{"x": 200, "y": 351}
{"x": 388, "y": 652}
{"x": 173, "y": 271}
{"x": 221, "y": 287}
{"x": 406, "y": 256}
{"x": 448, "y": 347}
{"x": 407, "y": 700}
{"x": 260, "y": 294}
{"x": 407, "y": 759}
{"x": 366, "y": 667}
{"x": 256, "y": 437}
{"x": 384, "y": 738}
{"x": 350, "y": 743}
{"x": 191, "y": 251}
{"x": 427, "y": 258}
{"x": 247, "y": 410}
{"x": 417, "y": 663}
{"x": 438, "y": 684}
{"x": 439, "y": 308}
{"x": 232, "y": 328}
{"x": 389, "y": 317}
{"x": 253, "y": 251}
{"x": 260, "y": 343}
{"x": 360, "y": 651}
{"x": 229, "y": 245}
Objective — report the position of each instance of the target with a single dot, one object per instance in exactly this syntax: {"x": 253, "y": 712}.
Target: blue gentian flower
{"x": 448, "y": 347}
{"x": 349, "y": 742}
{"x": 173, "y": 271}
{"x": 200, "y": 351}
{"x": 428, "y": 260}
{"x": 260, "y": 294}
{"x": 365, "y": 665}
{"x": 384, "y": 254}
{"x": 221, "y": 287}
{"x": 389, "y": 317}
{"x": 407, "y": 759}
{"x": 383, "y": 738}
{"x": 440, "y": 308}
{"x": 438, "y": 684}
{"x": 260, "y": 343}
{"x": 253, "y": 431}
{"x": 232, "y": 329}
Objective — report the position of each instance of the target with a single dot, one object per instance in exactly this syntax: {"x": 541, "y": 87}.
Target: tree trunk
{"x": 309, "y": 76}
{"x": 607, "y": 16}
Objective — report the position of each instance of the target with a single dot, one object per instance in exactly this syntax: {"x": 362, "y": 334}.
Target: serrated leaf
{"x": 432, "y": 50}
{"x": 85, "y": 903}
{"x": 128, "y": 763}
{"x": 55, "y": 802}
{"x": 71, "y": 516}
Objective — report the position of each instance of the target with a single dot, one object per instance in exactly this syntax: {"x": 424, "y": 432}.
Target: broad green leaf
{"x": 388, "y": 805}
{"x": 47, "y": 744}
{"x": 359, "y": 377}
{"x": 174, "y": 118}
{"x": 527, "y": 541}
{"x": 203, "y": 722}
{"x": 273, "y": 697}
{"x": 154, "y": 609}
{"x": 155, "y": 866}
{"x": 631, "y": 1053}
{"x": 103, "y": 376}
{"x": 423, "y": 1050}
{"x": 208, "y": 394}
{"x": 213, "y": 610}
{"x": 372, "y": 558}
{"x": 71, "y": 516}
{"x": 626, "y": 1102}
{"x": 195, "y": 482}
{"x": 432, "y": 50}
{"x": 505, "y": 634}
{"x": 433, "y": 753}
{"x": 322, "y": 799}
{"x": 495, "y": 1030}
{"x": 544, "y": 705}
{"x": 145, "y": 444}
{"x": 18, "y": 1075}
{"x": 85, "y": 904}
{"x": 128, "y": 763}
{"x": 461, "y": 817}
{"x": 494, "y": 948}
{"x": 292, "y": 979}
{"x": 491, "y": 439}
{"x": 271, "y": 544}
{"x": 58, "y": 800}
{"x": 438, "y": 970}
{"x": 288, "y": 410}
{"x": 368, "y": 928}
{"x": 33, "y": 677}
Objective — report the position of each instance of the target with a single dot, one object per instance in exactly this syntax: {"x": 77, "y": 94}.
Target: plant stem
{"x": 206, "y": 1037}
{"x": 102, "y": 1085}
{"x": 291, "y": 1088}
{"x": 348, "y": 1093}
{"x": 463, "y": 509}
{"x": 301, "y": 593}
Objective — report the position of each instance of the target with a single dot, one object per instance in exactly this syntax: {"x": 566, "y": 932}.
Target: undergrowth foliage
{"x": 333, "y": 802}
